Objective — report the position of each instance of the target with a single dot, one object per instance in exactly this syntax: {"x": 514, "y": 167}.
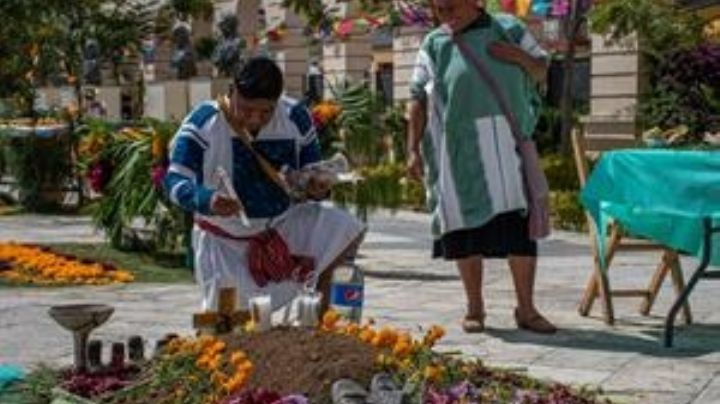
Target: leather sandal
{"x": 474, "y": 325}
{"x": 535, "y": 323}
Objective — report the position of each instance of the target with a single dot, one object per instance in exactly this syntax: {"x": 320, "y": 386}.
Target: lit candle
{"x": 261, "y": 310}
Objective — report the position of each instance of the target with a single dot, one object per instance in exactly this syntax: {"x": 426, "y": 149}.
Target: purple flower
{"x": 99, "y": 176}
{"x": 158, "y": 174}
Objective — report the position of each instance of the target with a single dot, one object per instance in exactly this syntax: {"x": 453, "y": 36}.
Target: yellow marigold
{"x": 216, "y": 347}
{"x": 158, "y": 147}
{"x": 246, "y": 367}
{"x": 218, "y": 378}
{"x": 433, "y": 335}
{"x": 367, "y": 335}
{"x": 330, "y": 319}
{"x": 238, "y": 357}
{"x": 352, "y": 329}
{"x": 203, "y": 362}
{"x": 235, "y": 383}
{"x": 387, "y": 336}
{"x": 214, "y": 363}
{"x": 402, "y": 349}
{"x": 433, "y": 373}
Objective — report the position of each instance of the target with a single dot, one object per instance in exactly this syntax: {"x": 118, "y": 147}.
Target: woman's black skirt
{"x": 504, "y": 235}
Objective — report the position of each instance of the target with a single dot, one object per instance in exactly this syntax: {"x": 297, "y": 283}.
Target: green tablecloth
{"x": 662, "y": 195}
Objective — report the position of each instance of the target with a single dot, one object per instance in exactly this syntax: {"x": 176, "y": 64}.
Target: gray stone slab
{"x": 662, "y": 374}
{"x": 569, "y": 375}
{"x": 711, "y": 393}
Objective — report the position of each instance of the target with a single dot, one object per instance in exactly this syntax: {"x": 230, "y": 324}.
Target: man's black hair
{"x": 259, "y": 78}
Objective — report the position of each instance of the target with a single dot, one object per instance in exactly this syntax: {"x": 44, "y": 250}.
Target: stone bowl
{"x": 81, "y": 317}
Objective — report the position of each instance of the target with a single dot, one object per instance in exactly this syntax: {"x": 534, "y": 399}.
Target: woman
{"x": 468, "y": 159}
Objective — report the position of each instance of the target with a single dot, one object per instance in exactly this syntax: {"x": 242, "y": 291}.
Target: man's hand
{"x": 224, "y": 206}
{"x": 318, "y": 186}
{"x": 509, "y": 53}
{"x": 415, "y": 165}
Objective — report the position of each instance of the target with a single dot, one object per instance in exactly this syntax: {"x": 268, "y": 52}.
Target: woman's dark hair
{"x": 259, "y": 78}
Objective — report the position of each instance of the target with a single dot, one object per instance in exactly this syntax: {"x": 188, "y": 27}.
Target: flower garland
{"x": 28, "y": 264}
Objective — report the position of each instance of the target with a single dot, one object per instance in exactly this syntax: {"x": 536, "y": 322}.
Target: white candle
{"x": 261, "y": 311}
{"x": 309, "y": 308}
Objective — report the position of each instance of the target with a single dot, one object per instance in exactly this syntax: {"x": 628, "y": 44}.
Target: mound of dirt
{"x": 292, "y": 360}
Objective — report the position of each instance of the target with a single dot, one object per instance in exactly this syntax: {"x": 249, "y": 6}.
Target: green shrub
{"x": 566, "y": 210}
{"x": 560, "y": 172}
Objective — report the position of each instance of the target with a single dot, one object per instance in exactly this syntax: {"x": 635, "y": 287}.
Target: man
{"x": 253, "y": 135}
{"x": 469, "y": 159}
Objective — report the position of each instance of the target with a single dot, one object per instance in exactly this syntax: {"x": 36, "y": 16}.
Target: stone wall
{"x": 616, "y": 83}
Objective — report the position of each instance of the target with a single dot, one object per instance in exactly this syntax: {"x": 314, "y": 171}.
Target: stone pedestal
{"x": 154, "y": 102}
{"x": 199, "y": 90}
{"x": 110, "y": 97}
{"x": 176, "y": 100}
{"x": 166, "y": 100}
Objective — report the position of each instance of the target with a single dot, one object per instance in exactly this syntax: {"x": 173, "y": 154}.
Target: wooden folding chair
{"x": 599, "y": 284}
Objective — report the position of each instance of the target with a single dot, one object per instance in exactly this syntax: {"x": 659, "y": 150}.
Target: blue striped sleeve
{"x": 184, "y": 180}
{"x": 301, "y": 117}
{"x": 309, "y": 144}
{"x": 310, "y": 153}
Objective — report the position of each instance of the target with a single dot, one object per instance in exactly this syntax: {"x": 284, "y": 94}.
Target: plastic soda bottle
{"x": 347, "y": 291}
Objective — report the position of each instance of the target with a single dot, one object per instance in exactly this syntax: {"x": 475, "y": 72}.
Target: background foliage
{"x": 682, "y": 64}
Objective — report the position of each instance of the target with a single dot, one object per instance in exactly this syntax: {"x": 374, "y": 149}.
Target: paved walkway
{"x": 406, "y": 288}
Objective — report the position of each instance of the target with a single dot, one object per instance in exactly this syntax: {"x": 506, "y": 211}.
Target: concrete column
{"x": 248, "y": 14}
{"x": 617, "y": 81}
{"x": 202, "y": 28}
{"x": 347, "y": 60}
{"x": 405, "y": 48}
{"x": 292, "y": 51}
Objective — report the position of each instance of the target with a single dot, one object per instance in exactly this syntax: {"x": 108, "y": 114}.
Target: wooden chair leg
{"x": 606, "y": 297}
{"x": 591, "y": 292}
{"x": 599, "y": 284}
{"x": 656, "y": 282}
{"x": 679, "y": 283}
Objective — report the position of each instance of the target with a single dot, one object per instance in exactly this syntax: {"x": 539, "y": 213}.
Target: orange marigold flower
{"x": 402, "y": 349}
{"x": 330, "y": 318}
{"x": 433, "y": 373}
{"x": 238, "y": 357}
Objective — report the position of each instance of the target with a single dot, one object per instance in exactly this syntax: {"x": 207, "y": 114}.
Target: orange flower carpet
{"x": 26, "y": 264}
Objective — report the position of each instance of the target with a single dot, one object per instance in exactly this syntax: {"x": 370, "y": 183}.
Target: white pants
{"x": 309, "y": 229}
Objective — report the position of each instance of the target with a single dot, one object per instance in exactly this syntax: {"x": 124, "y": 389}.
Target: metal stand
{"x": 700, "y": 272}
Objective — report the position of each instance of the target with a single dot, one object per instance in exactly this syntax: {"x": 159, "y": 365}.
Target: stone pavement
{"x": 408, "y": 289}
